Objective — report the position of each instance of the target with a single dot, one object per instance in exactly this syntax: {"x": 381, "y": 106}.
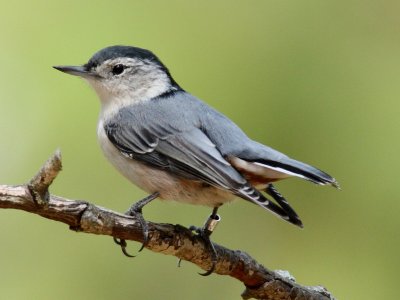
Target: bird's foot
{"x": 136, "y": 211}
{"x": 205, "y": 233}
{"x": 122, "y": 243}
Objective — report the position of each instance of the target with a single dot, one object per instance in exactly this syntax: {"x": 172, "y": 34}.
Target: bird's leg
{"x": 136, "y": 211}
{"x": 205, "y": 232}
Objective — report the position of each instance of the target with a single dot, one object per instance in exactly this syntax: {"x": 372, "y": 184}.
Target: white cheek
{"x": 102, "y": 92}
{"x": 115, "y": 93}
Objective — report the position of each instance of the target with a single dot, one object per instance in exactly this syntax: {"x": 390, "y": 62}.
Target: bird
{"x": 176, "y": 147}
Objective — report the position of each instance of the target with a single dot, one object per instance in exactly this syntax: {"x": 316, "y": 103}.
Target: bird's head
{"x": 124, "y": 75}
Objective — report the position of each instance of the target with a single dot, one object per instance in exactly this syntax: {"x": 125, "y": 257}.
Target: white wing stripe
{"x": 281, "y": 170}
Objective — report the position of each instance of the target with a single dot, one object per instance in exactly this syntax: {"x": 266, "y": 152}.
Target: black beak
{"x": 80, "y": 71}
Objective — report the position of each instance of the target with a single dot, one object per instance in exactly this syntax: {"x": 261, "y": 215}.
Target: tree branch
{"x": 169, "y": 239}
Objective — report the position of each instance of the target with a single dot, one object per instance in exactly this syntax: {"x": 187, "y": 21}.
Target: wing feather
{"x": 187, "y": 153}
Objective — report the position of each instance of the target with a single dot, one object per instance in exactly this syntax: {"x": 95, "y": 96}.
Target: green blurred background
{"x": 317, "y": 80}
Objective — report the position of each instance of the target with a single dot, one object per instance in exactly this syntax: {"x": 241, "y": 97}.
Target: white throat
{"x": 116, "y": 95}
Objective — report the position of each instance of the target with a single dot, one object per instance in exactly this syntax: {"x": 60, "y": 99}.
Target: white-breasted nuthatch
{"x": 176, "y": 147}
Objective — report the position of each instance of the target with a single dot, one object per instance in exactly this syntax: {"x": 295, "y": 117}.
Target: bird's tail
{"x": 283, "y": 203}
{"x": 282, "y": 209}
{"x": 299, "y": 169}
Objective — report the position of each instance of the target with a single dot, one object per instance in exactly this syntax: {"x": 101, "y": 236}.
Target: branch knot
{"x": 39, "y": 184}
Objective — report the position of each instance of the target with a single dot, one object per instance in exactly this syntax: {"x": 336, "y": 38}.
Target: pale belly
{"x": 153, "y": 180}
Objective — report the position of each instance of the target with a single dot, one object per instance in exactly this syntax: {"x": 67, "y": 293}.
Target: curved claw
{"x": 122, "y": 243}
{"x": 214, "y": 258}
{"x": 209, "y": 272}
{"x": 136, "y": 210}
{"x": 212, "y": 269}
{"x": 145, "y": 230}
{"x": 143, "y": 245}
{"x": 117, "y": 241}
{"x": 126, "y": 252}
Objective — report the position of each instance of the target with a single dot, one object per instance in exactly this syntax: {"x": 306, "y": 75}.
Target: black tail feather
{"x": 283, "y": 210}
{"x": 273, "y": 192}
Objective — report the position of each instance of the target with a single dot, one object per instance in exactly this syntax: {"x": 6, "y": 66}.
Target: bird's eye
{"x": 118, "y": 69}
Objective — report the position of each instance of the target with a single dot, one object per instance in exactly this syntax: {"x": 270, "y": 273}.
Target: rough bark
{"x": 260, "y": 282}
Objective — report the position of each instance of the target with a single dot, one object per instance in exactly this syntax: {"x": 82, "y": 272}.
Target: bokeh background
{"x": 317, "y": 80}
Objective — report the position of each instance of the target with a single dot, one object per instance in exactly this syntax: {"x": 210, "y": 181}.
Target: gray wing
{"x": 186, "y": 153}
